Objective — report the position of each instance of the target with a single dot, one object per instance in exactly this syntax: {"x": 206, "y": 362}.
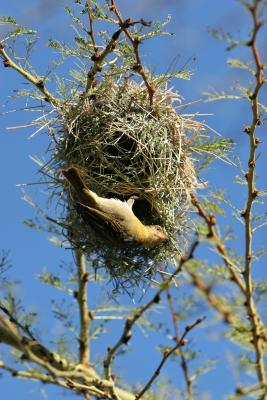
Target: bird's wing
{"x": 98, "y": 218}
{"x": 130, "y": 202}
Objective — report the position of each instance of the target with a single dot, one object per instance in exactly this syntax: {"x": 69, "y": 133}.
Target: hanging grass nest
{"x": 125, "y": 148}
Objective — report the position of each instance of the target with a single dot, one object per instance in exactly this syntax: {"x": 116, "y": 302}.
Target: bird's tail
{"x": 85, "y": 195}
{"x": 73, "y": 176}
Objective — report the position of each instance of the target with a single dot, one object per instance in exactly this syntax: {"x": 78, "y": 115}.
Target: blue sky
{"x": 30, "y": 251}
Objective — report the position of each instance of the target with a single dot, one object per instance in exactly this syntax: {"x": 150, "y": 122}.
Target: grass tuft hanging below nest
{"x": 123, "y": 147}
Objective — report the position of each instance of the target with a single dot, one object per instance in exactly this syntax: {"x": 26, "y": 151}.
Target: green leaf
{"x": 263, "y": 107}
{"x": 18, "y": 31}
{"x": 55, "y": 240}
{"x": 226, "y": 37}
{"x": 157, "y": 29}
{"x": 162, "y": 79}
{"x": 51, "y": 279}
{"x": 215, "y": 96}
{"x": 100, "y": 13}
{"x": 7, "y": 20}
{"x": 75, "y": 19}
{"x": 236, "y": 63}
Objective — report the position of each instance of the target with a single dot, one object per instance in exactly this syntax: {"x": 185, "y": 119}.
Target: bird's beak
{"x": 164, "y": 237}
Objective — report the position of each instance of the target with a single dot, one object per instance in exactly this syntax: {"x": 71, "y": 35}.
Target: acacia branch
{"x": 258, "y": 330}
{"x": 246, "y": 286}
{"x": 258, "y": 334}
{"x": 37, "y": 81}
{"x": 60, "y": 371}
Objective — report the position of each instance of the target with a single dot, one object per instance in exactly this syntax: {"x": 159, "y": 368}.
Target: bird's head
{"x": 156, "y": 235}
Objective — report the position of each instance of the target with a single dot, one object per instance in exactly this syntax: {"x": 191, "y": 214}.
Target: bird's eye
{"x": 158, "y": 228}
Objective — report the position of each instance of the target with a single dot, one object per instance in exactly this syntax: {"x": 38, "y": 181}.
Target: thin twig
{"x": 91, "y": 22}
{"x": 98, "y": 59}
{"x": 15, "y": 321}
{"x": 245, "y": 391}
{"x": 67, "y": 384}
{"x": 37, "y": 81}
{"x": 167, "y": 354}
{"x": 135, "y": 41}
{"x": 212, "y": 235}
{"x": 87, "y": 388}
{"x": 213, "y": 300}
{"x": 184, "y": 365}
{"x": 83, "y": 308}
{"x": 32, "y": 375}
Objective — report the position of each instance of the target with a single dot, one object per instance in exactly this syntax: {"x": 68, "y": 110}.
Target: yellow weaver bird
{"x": 113, "y": 215}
